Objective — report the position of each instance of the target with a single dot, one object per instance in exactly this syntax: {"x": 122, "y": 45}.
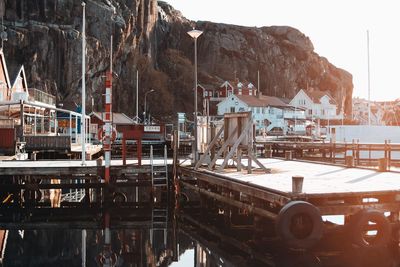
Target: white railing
{"x": 40, "y": 96}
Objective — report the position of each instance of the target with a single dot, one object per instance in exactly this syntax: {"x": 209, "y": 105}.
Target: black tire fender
{"x": 119, "y": 197}
{"x": 308, "y": 215}
{"x": 361, "y": 219}
{"x": 32, "y": 195}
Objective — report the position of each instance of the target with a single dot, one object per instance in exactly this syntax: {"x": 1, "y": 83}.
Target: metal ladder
{"x": 159, "y": 174}
{"x": 159, "y": 220}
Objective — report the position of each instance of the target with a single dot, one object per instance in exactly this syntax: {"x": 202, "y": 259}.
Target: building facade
{"x": 317, "y": 105}
{"x": 268, "y": 112}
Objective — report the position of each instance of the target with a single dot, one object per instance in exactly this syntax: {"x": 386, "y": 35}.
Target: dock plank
{"x": 318, "y": 178}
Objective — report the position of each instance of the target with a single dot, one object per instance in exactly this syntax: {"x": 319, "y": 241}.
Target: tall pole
{"x": 369, "y": 83}
{"x": 107, "y": 156}
{"x": 137, "y": 96}
{"x": 195, "y": 34}
{"x": 145, "y": 104}
{"x": 258, "y": 81}
{"x": 195, "y": 101}
{"x": 83, "y": 118}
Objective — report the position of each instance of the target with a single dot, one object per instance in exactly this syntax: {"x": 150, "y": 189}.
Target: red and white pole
{"x": 107, "y": 140}
{"x": 107, "y": 259}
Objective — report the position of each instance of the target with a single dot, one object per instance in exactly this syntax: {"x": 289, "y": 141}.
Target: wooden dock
{"x": 363, "y": 154}
{"x": 32, "y": 183}
{"x": 360, "y": 195}
{"x": 58, "y": 168}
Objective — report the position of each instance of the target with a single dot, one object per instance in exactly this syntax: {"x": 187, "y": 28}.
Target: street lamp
{"x": 145, "y": 95}
{"x": 195, "y": 34}
{"x": 83, "y": 117}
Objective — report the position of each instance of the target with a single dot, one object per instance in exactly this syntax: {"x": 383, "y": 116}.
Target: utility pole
{"x": 137, "y": 96}
{"x": 369, "y": 83}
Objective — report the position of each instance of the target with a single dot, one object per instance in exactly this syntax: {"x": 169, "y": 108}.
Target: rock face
{"x": 151, "y": 37}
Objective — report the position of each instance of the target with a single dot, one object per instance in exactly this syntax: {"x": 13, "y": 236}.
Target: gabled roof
{"x": 206, "y": 86}
{"x": 234, "y": 84}
{"x": 251, "y": 101}
{"x": 262, "y": 101}
{"x": 20, "y": 73}
{"x": 273, "y": 101}
{"x": 226, "y": 83}
{"x": 316, "y": 95}
{"x": 3, "y": 63}
{"x": 118, "y": 118}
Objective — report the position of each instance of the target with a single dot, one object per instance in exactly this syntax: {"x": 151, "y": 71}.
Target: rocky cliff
{"x": 151, "y": 37}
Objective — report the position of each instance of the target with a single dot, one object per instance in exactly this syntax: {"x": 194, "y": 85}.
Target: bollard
{"x": 297, "y": 184}
{"x": 99, "y": 161}
{"x": 33, "y": 156}
{"x": 349, "y": 161}
{"x": 382, "y": 167}
{"x": 288, "y": 155}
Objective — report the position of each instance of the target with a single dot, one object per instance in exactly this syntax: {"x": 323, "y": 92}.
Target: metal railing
{"x": 6, "y": 123}
{"x": 40, "y": 96}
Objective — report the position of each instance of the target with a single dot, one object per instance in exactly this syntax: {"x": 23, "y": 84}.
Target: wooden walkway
{"x": 318, "y": 178}
{"x": 73, "y": 167}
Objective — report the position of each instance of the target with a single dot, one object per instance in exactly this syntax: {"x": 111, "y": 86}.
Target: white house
{"x": 267, "y": 111}
{"x": 317, "y": 105}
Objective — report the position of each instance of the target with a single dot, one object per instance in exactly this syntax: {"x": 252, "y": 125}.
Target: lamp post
{"x": 83, "y": 118}
{"x": 144, "y": 112}
{"x": 195, "y": 34}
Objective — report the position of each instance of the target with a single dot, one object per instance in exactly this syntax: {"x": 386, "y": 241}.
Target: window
{"x": 310, "y": 112}
{"x": 258, "y": 110}
{"x": 232, "y": 109}
{"x": 250, "y": 92}
{"x": 205, "y": 93}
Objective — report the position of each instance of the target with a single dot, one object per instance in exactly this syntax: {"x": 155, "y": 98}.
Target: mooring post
{"x": 239, "y": 160}
{"x": 123, "y": 149}
{"x": 297, "y": 184}
{"x": 139, "y": 151}
{"x": 349, "y": 161}
{"x": 288, "y": 155}
{"x": 389, "y": 154}
{"x": 213, "y": 133}
{"x": 382, "y": 165}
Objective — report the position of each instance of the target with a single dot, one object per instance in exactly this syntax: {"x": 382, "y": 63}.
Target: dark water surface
{"x": 162, "y": 236}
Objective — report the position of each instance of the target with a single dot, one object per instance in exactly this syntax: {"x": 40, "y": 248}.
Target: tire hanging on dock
{"x": 119, "y": 197}
{"x": 367, "y": 221}
{"x": 299, "y": 224}
{"x": 32, "y": 196}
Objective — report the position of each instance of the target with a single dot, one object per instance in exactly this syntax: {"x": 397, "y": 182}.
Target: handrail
{"x": 41, "y": 96}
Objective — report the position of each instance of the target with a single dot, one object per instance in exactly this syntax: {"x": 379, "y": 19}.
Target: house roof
{"x": 206, "y": 86}
{"x": 234, "y": 84}
{"x": 16, "y": 72}
{"x": 262, "y": 101}
{"x": 118, "y": 118}
{"x": 5, "y": 69}
{"x": 316, "y": 95}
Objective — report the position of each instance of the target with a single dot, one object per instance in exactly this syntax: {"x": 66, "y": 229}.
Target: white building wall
{"x": 259, "y": 114}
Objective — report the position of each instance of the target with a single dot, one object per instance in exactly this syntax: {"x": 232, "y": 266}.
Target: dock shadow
{"x": 330, "y": 172}
{"x": 362, "y": 178}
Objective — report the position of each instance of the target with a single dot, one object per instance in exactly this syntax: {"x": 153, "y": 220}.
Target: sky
{"x": 338, "y": 30}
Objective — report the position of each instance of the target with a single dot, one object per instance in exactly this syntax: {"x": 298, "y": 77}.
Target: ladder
{"x": 159, "y": 223}
{"x": 159, "y": 173}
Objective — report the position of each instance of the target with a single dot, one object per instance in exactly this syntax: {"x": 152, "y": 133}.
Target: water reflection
{"x": 196, "y": 236}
